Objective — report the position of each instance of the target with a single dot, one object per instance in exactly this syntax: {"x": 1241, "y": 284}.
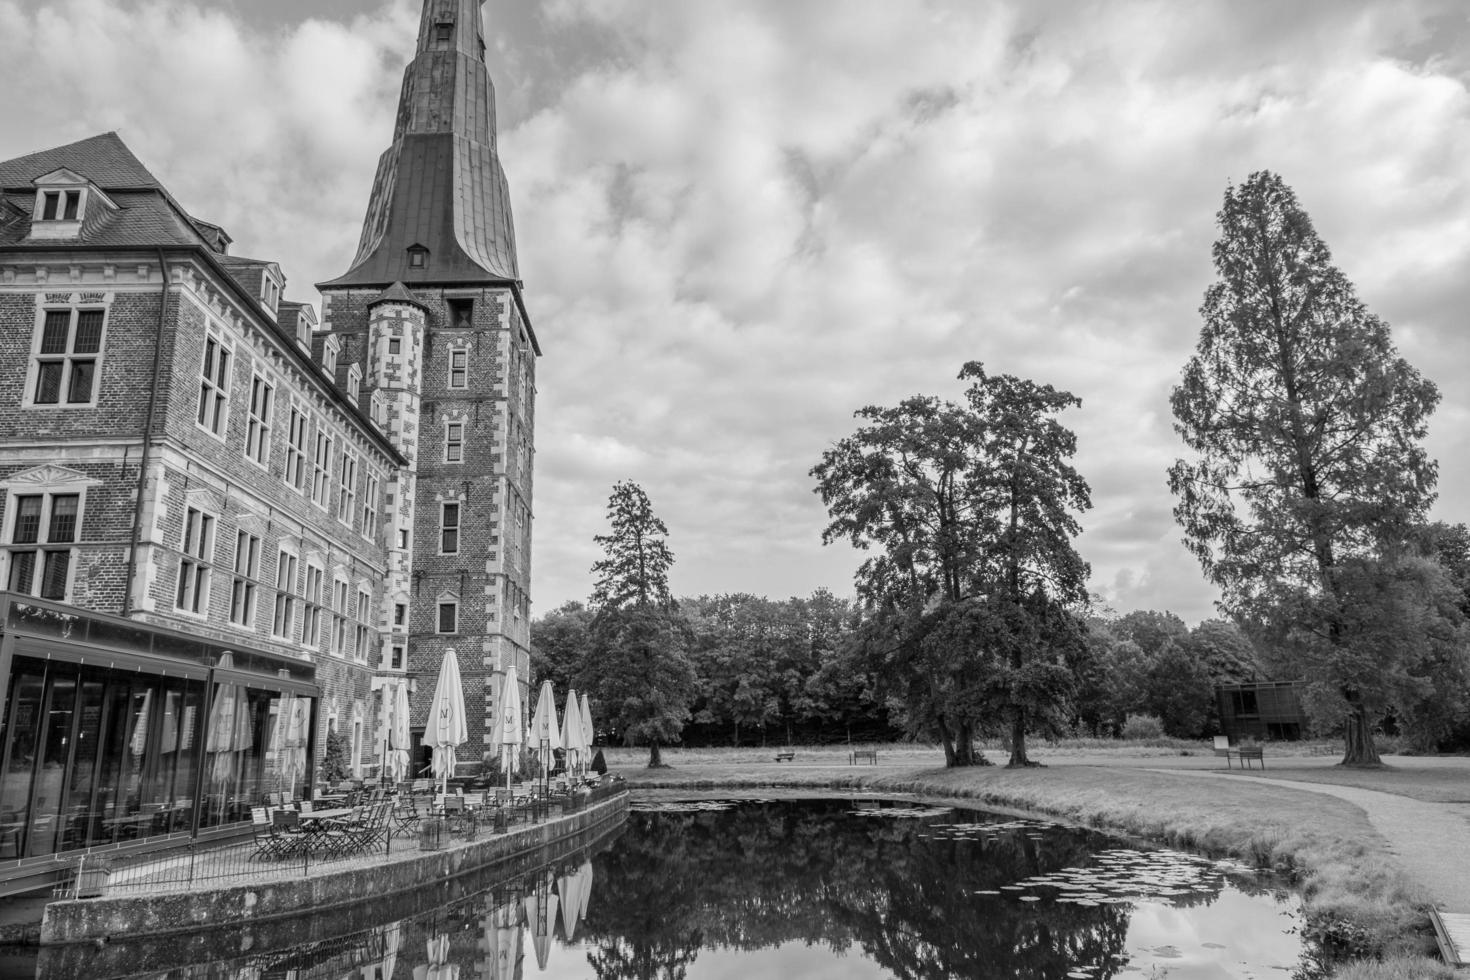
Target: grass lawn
{"x": 1357, "y": 901}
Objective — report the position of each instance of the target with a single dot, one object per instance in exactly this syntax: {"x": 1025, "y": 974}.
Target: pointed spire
{"x": 440, "y": 207}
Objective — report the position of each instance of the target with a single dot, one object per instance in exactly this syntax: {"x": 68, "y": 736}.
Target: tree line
{"x": 1304, "y": 493}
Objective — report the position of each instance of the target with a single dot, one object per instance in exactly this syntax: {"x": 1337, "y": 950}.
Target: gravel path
{"x": 1430, "y": 840}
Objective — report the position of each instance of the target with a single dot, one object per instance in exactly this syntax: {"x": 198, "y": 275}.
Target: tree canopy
{"x": 1307, "y": 467}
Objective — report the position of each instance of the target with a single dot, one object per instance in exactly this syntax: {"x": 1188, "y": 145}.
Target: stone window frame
{"x": 45, "y": 306}
{"x": 443, "y": 603}
{"x": 297, "y": 453}
{"x": 446, "y": 529}
{"x": 197, "y": 556}
{"x": 455, "y": 430}
{"x": 370, "y": 508}
{"x": 214, "y": 385}
{"x": 260, "y": 418}
{"x": 341, "y": 591}
{"x": 311, "y": 605}
{"x": 321, "y": 465}
{"x": 459, "y": 353}
{"x": 245, "y": 579}
{"x": 362, "y": 624}
{"x": 347, "y": 491}
{"x": 47, "y": 482}
{"x": 283, "y": 609}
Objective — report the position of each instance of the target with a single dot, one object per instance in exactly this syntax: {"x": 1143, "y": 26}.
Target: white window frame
{"x": 311, "y": 605}
{"x": 340, "y": 591}
{"x": 42, "y": 547}
{"x": 459, "y": 365}
{"x": 261, "y": 419}
{"x": 364, "y": 629}
{"x": 283, "y": 615}
{"x": 244, "y": 584}
{"x": 452, "y": 604}
{"x": 347, "y": 495}
{"x": 212, "y": 414}
{"x": 454, "y": 441}
{"x": 67, "y": 358}
{"x": 196, "y": 562}
{"x": 62, "y": 196}
{"x": 445, "y": 528}
{"x": 297, "y": 442}
{"x": 321, "y": 466}
{"x": 370, "y": 508}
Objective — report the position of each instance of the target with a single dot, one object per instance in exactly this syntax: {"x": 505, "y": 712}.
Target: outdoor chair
{"x": 261, "y": 826}
{"x": 286, "y": 827}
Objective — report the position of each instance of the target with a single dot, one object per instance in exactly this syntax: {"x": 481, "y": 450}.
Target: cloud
{"x": 739, "y": 222}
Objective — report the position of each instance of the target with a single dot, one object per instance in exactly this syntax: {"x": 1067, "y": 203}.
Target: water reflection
{"x": 786, "y": 888}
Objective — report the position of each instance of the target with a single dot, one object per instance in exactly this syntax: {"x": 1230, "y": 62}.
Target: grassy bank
{"x": 1357, "y": 902}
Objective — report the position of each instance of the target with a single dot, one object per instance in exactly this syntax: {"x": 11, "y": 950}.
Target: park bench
{"x": 1245, "y": 753}
{"x": 785, "y": 755}
{"x": 870, "y": 756}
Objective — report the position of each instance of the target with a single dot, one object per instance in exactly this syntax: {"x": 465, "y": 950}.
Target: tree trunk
{"x": 1019, "y": 759}
{"x": 964, "y": 745}
{"x": 1358, "y": 736}
{"x": 945, "y": 740}
{"x": 655, "y": 756}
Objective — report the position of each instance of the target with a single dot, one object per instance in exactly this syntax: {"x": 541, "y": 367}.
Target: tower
{"x": 431, "y": 313}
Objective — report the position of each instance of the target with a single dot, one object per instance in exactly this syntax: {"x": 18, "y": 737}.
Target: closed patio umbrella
{"x": 545, "y": 732}
{"x": 569, "y": 887}
{"x": 512, "y": 733}
{"x": 541, "y": 904}
{"x": 399, "y": 737}
{"x": 446, "y": 730}
{"x": 571, "y": 732}
{"x": 587, "y": 729}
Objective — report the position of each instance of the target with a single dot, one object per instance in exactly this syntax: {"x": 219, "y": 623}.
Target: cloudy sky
{"x": 740, "y": 220}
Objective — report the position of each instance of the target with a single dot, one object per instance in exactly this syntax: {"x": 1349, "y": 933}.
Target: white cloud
{"x": 739, "y": 222}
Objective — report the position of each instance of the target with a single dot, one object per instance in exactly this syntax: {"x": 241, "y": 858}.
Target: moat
{"x": 850, "y": 887}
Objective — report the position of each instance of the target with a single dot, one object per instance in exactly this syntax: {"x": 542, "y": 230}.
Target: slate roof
{"x": 396, "y": 293}
{"x": 146, "y": 214}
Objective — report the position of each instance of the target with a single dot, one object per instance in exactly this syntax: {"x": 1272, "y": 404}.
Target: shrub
{"x": 1143, "y": 727}
{"x": 335, "y": 764}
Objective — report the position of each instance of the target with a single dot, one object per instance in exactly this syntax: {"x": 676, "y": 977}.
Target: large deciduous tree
{"x": 971, "y": 510}
{"x": 641, "y": 675}
{"x": 1306, "y": 429}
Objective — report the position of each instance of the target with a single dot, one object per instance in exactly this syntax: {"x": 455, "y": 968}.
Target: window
{"x": 284, "y": 619}
{"x": 214, "y": 387}
{"x": 400, "y": 614}
{"x": 247, "y": 570}
{"x": 311, "y": 607}
{"x": 444, "y": 33}
{"x": 395, "y": 346}
{"x": 67, "y": 353}
{"x": 395, "y": 661}
{"x": 194, "y": 567}
{"x": 449, "y": 617}
{"x": 454, "y": 442}
{"x": 459, "y": 368}
{"x": 296, "y": 450}
{"x": 339, "y": 618}
{"x": 364, "y": 631}
{"x": 370, "y": 509}
{"x": 258, "y": 431}
{"x": 418, "y": 258}
{"x": 354, "y": 383}
{"x": 347, "y": 499}
{"x": 461, "y": 313}
{"x": 42, "y": 521}
{"x": 449, "y": 529}
{"x": 321, "y": 486}
{"x": 329, "y": 355}
{"x": 61, "y": 205}
{"x": 403, "y": 538}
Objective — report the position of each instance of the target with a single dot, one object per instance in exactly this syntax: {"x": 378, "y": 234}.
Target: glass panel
{"x": 27, "y": 519}
{"x": 73, "y": 200}
{"x": 56, "y": 742}
{"x": 22, "y": 724}
{"x": 79, "y": 386}
{"x": 48, "y": 383}
{"x": 22, "y": 571}
{"x": 46, "y": 622}
{"x": 54, "y": 330}
{"x": 83, "y": 823}
{"x": 53, "y": 578}
{"x": 117, "y": 774}
{"x": 89, "y": 332}
{"x": 49, "y": 203}
{"x": 63, "y": 525}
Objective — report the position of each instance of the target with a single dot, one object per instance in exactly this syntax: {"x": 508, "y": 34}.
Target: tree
{"x": 972, "y": 508}
{"x": 561, "y": 647}
{"x": 1306, "y": 429}
{"x": 644, "y": 678}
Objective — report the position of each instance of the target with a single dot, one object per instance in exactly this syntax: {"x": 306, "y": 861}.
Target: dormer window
{"x": 354, "y": 383}
{"x": 60, "y": 205}
{"x": 329, "y": 355}
{"x": 270, "y": 291}
{"x": 62, "y": 201}
{"x": 418, "y": 257}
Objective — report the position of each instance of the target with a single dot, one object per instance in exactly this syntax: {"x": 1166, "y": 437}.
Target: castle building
{"x": 228, "y": 528}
